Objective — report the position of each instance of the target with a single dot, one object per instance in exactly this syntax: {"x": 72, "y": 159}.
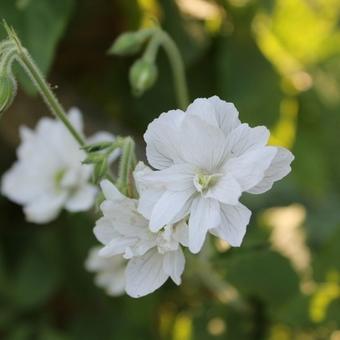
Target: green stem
{"x": 51, "y": 100}
{"x": 178, "y": 69}
{"x": 150, "y": 53}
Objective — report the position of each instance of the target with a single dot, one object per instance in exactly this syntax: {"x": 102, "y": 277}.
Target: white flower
{"x": 110, "y": 272}
{"x": 48, "y": 174}
{"x": 153, "y": 257}
{"x": 205, "y": 158}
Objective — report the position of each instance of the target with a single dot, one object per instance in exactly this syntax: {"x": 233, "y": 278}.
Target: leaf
{"x": 264, "y": 275}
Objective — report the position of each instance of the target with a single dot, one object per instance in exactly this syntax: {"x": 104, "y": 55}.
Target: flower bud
{"x": 130, "y": 42}
{"x": 143, "y": 75}
{"x": 8, "y": 89}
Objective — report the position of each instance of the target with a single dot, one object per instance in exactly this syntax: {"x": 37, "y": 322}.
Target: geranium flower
{"x": 110, "y": 272}
{"x": 205, "y": 159}
{"x": 153, "y": 257}
{"x": 48, "y": 175}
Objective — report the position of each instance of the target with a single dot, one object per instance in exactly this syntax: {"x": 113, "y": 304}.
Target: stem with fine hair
{"x": 44, "y": 89}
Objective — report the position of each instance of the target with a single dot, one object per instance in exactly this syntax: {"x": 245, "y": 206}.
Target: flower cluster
{"x": 202, "y": 161}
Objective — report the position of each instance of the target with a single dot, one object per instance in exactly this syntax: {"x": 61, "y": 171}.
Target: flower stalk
{"x": 20, "y": 54}
{"x": 178, "y": 70}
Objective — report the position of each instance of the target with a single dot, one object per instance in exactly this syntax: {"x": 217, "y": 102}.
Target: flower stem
{"x": 47, "y": 94}
{"x": 177, "y": 66}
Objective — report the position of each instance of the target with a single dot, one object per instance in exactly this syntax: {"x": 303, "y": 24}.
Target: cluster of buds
{"x": 144, "y": 72}
{"x": 98, "y": 155}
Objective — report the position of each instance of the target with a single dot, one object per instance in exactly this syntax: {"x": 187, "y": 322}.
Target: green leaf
{"x": 264, "y": 275}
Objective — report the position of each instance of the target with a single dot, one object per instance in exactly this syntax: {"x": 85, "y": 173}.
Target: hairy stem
{"x": 44, "y": 89}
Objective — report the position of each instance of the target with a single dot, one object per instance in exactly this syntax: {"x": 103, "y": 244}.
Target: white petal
{"x": 233, "y": 226}
{"x": 181, "y": 233}
{"x": 148, "y": 195}
{"x": 138, "y": 174}
{"x": 171, "y": 207}
{"x": 117, "y": 246}
{"x": 249, "y": 169}
{"x": 147, "y": 201}
{"x": 45, "y": 208}
{"x": 178, "y": 177}
{"x": 173, "y": 265}
{"x": 145, "y": 274}
{"x": 202, "y": 144}
{"x": 279, "y": 168}
{"x": 83, "y": 199}
{"x": 21, "y": 186}
{"x": 110, "y": 272}
{"x": 244, "y": 138}
{"x": 205, "y": 215}
{"x": 216, "y": 112}
{"x": 125, "y": 219}
{"x": 104, "y": 230}
{"x": 161, "y": 137}
{"x": 226, "y": 190}
{"x": 110, "y": 191}
{"x": 117, "y": 284}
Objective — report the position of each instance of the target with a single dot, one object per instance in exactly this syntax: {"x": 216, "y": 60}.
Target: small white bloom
{"x": 48, "y": 174}
{"x": 205, "y": 158}
{"x": 153, "y": 257}
{"x": 110, "y": 272}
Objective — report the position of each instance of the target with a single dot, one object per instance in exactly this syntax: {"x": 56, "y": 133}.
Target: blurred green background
{"x": 279, "y": 62}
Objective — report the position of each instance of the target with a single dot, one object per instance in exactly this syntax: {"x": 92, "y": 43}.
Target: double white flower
{"x": 205, "y": 158}
{"x": 153, "y": 257}
{"x": 48, "y": 174}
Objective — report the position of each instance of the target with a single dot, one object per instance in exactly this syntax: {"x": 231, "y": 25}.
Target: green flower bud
{"x": 8, "y": 89}
{"x": 143, "y": 75}
{"x": 130, "y": 42}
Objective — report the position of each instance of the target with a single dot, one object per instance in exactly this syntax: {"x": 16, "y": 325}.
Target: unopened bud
{"x": 130, "y": 42}
{"x": 143, "y": 75}
{"x": 8, "y": 89}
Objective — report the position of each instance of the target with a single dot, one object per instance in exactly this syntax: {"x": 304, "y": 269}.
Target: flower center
{"x": 203, "y": 181}
{"x": 58, "y": 177}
